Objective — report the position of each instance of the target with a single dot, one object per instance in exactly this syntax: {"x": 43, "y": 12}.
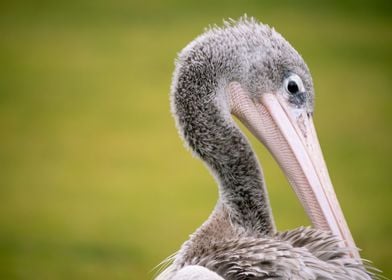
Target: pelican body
{"x": 248, "y": 70}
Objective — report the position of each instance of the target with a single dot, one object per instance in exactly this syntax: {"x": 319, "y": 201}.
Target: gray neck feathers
{"x": 199, "y": 104}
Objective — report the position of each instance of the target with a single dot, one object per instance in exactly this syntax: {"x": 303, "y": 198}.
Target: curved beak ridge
{"x": 289, "y": 134}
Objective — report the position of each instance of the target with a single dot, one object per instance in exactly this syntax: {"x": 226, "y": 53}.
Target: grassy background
{"x": 95, "y": 183}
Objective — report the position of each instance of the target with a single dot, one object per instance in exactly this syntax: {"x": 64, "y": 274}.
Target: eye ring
{"x": 293, "y": 84}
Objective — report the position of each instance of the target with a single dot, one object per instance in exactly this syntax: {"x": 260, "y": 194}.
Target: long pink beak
{"x": 290, "y": 136}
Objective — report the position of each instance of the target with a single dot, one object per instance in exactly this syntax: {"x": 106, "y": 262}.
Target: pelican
{"x": 248, "y": 70}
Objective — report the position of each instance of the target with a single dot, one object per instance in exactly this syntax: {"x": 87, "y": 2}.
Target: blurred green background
{"x": 95, "y": 182}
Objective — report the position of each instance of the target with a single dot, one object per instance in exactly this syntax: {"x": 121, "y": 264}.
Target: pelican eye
{"x": 292, "y": 87}
{"x": 295, "y": 88}
{"x": 293, "y": 84}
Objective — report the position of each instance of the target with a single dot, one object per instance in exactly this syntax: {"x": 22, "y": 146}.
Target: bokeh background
{"x": 94, "y": 180}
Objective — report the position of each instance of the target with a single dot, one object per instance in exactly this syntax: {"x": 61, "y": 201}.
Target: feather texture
{"x": 302, "y": 253}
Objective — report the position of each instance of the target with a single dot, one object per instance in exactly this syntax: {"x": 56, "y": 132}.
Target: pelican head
{"x": 250, "y": 71}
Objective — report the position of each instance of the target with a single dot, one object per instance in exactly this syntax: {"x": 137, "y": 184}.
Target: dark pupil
{"x": 292, "y": 87}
